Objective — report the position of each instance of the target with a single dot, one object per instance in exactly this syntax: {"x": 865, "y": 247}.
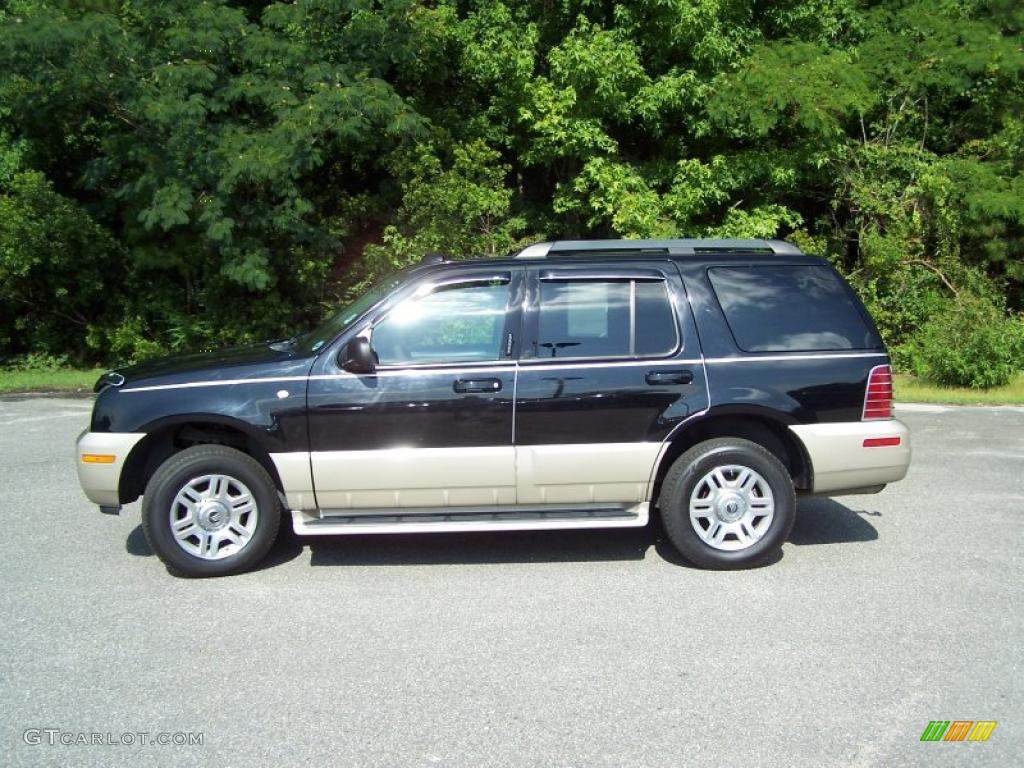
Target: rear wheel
{"x": 727, "y": 503}
{"x": 210, "y": 510}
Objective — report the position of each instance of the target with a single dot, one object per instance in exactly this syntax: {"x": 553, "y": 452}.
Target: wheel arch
{"x": 763, "y": 426}
{"x": 166, "y": 437}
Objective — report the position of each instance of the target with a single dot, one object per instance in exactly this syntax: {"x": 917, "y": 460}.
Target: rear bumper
{"x": 841, "y": 462}
{"x": 101, "y": 476}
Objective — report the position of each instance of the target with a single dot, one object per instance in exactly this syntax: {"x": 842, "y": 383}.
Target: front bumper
{"x": 840, "y": 460}
{"x": 99, "y": 458}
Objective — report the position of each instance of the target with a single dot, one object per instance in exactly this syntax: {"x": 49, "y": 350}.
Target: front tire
{"x": 727, "y": 503}
{"x": 210, "y": 510}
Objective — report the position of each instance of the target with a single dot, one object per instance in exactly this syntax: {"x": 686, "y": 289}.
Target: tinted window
{"x": 605, "y": 318}
{"x": 454, "y": 324}
{"x": 655, "y": 323}
{"x": 789, "y": 309}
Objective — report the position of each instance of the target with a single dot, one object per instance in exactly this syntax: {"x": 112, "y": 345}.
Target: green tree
{"x": 462, "y": 207}
{"x": 246, "y": 164}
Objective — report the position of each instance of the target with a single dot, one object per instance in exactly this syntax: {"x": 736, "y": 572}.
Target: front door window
{"x": 461, "y": 323}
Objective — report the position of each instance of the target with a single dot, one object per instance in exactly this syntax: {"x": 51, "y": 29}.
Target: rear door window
{"x": 582, "y": 317}
{"x": 790, "y": 309}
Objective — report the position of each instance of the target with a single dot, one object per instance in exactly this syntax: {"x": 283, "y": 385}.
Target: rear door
{"x": 610, "y": 365}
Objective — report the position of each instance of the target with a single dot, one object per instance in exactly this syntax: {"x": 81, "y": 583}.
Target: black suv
{"x": 578, "y": 384}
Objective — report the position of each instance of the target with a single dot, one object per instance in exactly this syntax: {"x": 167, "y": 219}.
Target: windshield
{"x": 335, "y": 324}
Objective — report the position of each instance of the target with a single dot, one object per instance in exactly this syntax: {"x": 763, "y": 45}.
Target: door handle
{"x": 669, "y": 377}
{"x": 477, "y": 385}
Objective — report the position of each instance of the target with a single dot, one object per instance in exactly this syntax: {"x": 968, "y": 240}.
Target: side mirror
{"x": 358, "y": 357}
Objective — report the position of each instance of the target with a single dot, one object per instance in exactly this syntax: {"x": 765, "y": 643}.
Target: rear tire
{"x": 727, "y": 503}
{"x": 210, "y": 510}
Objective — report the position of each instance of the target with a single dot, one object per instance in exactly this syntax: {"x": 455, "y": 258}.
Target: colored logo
{"x": 958, "y": 730}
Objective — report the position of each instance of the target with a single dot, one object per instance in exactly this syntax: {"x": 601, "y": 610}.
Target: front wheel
{"x": 210, "y": 510}
{"x": 727, "y": 503}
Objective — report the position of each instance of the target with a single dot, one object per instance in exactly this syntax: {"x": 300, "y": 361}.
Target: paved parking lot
{"x": 546, "y": 649}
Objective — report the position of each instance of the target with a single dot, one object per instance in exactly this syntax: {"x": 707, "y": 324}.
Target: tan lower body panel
{"x": 296, "y": 478}
{"x": 414, "y": 477}
{"x": 463, "y": 477}
{"x": 100, "y": 480}
{"x": 841, "y": 462}
{"x": 584, "y": 473}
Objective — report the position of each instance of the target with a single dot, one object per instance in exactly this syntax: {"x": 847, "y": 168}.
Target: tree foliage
{"x": 187, "y": 172}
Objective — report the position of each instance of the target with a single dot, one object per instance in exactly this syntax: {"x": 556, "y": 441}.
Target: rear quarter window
{"x": 790, "y": 309}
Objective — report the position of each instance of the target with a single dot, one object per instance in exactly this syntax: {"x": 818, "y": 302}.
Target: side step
{"x": 352, "y": 521}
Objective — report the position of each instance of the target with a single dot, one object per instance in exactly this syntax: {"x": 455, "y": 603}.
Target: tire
{"x": 224, "y": 505}
{"x": 737, "y": 518}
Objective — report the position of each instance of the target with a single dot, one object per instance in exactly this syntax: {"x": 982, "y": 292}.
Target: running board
{"x": 352, "y": 521}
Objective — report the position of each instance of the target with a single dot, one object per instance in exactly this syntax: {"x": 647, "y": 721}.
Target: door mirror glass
{"x": 358, "y": 356}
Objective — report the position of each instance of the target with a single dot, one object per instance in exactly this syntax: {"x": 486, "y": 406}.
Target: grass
{"x": 908, "y": 389}
{"x": 49, "y": 380}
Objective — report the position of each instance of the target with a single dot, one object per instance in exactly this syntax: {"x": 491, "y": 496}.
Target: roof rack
{"x": 684, "y": 247}
{"x": 434, "y": 258}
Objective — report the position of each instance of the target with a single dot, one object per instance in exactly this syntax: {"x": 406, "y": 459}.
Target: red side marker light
{"x": 880, "y": 442}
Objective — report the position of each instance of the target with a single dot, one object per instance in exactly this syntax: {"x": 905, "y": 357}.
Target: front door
{"x": 432, "y": 426}
{"x": 610, "y": 366}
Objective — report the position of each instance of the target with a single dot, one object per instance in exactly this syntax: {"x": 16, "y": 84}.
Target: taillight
{"x": 878, "y": 398}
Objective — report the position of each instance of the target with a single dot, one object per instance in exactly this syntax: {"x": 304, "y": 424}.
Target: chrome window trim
{"x": 632, "y": 318}
{"x": 426, "y": 289}
{"x": 633, "y": 276}
{"x": 468, "y": 365}
{"x": 429, "y": 287}
{"x": 552, "y": 363}
{"x": 750, "y": 358}
{"x": 562, "y": 274}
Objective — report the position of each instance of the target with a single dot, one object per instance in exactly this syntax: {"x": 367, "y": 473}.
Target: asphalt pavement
{"x": 526, "y": 649}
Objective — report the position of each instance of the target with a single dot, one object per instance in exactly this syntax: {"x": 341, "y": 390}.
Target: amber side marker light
{"x": 880, "y": 442}
{"x": 97, "y": 458}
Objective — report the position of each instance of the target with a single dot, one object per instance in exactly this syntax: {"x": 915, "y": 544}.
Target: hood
{"x": 255, "y": 361}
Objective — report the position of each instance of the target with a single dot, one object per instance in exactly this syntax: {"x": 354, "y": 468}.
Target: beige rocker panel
{"x": 414, "y": 477}
{"x": 584, "y": 473}
{"x": 473, "y": 476}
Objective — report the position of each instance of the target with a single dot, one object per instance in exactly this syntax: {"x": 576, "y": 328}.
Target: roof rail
{"x": 682, "y": 247}
{"x": 535, "y": 251}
